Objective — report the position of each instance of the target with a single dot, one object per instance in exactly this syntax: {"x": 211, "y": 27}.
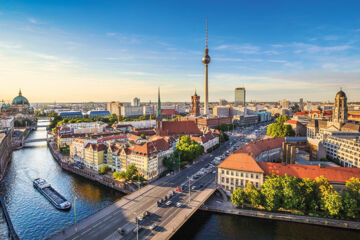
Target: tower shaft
{"x": 206, "y": 102}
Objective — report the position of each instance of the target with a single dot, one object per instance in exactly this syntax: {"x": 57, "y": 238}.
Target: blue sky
{"x": 116, "y": 50}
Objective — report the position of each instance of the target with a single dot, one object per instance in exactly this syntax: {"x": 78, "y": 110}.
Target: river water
{"x": 35, "y": 218}
{"x": 32, "y": 215}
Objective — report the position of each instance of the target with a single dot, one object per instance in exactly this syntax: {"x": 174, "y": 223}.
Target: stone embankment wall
{"x": 88, "y": 173}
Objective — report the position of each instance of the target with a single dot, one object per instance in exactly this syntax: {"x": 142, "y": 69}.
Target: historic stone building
{"x": 195, "y": 105}
{"x": 20, "y": 109}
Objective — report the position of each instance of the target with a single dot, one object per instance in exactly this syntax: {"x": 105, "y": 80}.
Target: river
{"x": 32, "y": 215}
{"x": 35, "y": 218}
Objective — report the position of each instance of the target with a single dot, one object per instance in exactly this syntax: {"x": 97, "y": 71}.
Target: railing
{"x": 12, "y": 232}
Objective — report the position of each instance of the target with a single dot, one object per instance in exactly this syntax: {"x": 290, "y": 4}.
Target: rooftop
{"x": 241, "y": 162}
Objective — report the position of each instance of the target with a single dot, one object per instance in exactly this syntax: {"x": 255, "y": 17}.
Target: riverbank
{"x": 88, "y": 173}
{"x": 218, "y": 206}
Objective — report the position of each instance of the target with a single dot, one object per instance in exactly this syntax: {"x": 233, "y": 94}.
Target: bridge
{"x": 35, "y": 140}
{"x": 122, "y": 214}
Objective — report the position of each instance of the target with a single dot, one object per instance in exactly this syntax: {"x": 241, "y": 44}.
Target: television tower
{"x": 206, "y": 60}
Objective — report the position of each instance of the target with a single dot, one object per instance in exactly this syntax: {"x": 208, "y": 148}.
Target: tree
{"x": 351, "y": 197}
{"x": 309, "y": 191}
{"x": 333, "y": 202}
{"x": 168, "y": 163}
{"x": 238, "y": 197}
{"x": 131, "y": 172}
{"x": 104, "y": 169}
{"x": 271, "y": 193}
{"x": 188, "y": 149}
{"x": 280, "y": 129}
{"x": 143, "y": 136}
{"x": 252, "y": 195}
{"x": 292, "y": 197}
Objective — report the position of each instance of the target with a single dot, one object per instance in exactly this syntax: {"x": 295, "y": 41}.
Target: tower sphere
{"x": 206, "y": 59}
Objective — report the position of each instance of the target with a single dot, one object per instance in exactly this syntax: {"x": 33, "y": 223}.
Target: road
{"x": 105, "y": 223}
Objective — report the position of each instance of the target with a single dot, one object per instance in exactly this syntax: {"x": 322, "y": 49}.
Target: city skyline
{"x": 93, "y": 52}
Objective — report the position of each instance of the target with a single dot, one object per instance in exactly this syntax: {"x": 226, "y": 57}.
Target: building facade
{"x": 240, "y": 97}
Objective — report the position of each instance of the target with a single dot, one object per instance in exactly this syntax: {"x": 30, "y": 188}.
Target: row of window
{"x": 237, "y": 182}
{"x": 241, "y": 174}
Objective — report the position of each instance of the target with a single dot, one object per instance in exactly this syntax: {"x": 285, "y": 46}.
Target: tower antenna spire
{"x": 206, "y": 34}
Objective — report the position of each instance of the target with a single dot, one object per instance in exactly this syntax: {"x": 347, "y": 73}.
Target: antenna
{"x": 206, "y": 34}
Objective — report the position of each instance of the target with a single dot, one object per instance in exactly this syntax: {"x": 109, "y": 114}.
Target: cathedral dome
{"x": 340, "y": 94}
{"x": 20, "y": 100}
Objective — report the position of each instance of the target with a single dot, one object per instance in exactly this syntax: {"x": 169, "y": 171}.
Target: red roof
{"x": 242, "y": 162}
{"x": 150, "y": 147}
{"x": 179, "y": 128}
{"x": 255, "y": 148}
{"x": 205, "y": 138}
{"x": 333, "y": 174}
{"x": 168, "y": 112}
{"x": 96, "y": 147}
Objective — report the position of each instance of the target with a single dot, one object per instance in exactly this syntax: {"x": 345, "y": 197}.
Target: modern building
{"x": 71, "y": 114}
{"x": 135, "y": 102}
{"x": 223, "y": 102}
{"x": 132, "y": 111}
{"x": 222, "y": 111}
{"x": 114, "y": 108}
{"x": 255, "y": 162}
{"x": 98, "y": 114}
{"x": 240, "y": 97}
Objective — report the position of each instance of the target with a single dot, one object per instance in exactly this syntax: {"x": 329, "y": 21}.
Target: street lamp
{"x": 75, "y": 198}
{"x": 189, "y": 182}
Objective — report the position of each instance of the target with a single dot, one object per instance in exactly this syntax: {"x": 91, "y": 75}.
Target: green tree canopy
{"x": 252, "y": 195}
{"x": 280, "y": 129}
{"x": 238, "y": 197}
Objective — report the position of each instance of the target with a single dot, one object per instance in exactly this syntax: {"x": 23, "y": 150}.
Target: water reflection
{"x": 206, "y": 225}
{"x": 32, "y": 215}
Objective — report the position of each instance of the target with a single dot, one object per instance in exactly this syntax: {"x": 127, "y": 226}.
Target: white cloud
{"x": 110, "y": 34}
{"x": 138, "y": 73}
{"x": 310, "y": 48}
{"x": 33, "y": 21}
{"x": 10, "y": 45}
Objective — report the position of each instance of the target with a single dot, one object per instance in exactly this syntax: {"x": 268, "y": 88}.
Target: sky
{"x": 77, "y": 50}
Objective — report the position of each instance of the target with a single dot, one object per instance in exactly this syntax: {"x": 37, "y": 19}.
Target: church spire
{"x": 20, "y": 94}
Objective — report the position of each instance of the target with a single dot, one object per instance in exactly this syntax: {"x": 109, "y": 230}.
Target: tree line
{"x": 302, "y": 196}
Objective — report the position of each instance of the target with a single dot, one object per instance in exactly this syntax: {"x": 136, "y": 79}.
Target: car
{"x": 178, "y": 205}
{"x": 152, "y": 227}
{"x": 214, "y": 171}
{"x": 137, "y": 229}
{"x": 140, "y": 218}
{"x": 121, "y": 231}
{"x": 193, "y": 187}
{"x": 168, "y": 203}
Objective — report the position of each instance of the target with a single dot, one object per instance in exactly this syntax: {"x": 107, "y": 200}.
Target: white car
{"x": 178, "y": 205}
{"x": 152, "y": 227}
{"x": 168, "y": 203}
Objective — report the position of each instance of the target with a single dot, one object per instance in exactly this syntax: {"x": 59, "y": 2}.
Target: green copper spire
{"x": 158, "y": 115}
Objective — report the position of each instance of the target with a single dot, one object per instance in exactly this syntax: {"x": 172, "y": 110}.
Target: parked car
{"x": 168, "y": 203}
{"x": 152, "y": 227}
{"x": 178, "y": 205}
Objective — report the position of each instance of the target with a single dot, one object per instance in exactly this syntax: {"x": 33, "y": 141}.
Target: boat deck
{"x": 54, "y": 195}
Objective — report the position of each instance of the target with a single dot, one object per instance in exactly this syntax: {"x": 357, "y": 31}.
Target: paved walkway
{"x": 216, "y": 205}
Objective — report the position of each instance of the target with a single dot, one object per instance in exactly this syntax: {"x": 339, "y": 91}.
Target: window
{"x": 232, "y": 173}
{"x": 256, "y": 184}
{"x": 252, "y": 175}
{"x": 237, "y": 174}
{"x": 242, "y": 174}
{"x": 222, "y": 171}
{"x": 237, "y": 182}
{"x": 257, "y": 176}
{"x": 227, "y": 180}
{"x": 227, "y": 172}
{"x": 247, "y": 175}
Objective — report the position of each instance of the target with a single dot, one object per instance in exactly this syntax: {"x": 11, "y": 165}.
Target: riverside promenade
{"x": 214, "y": 204}
{"x": 88, "y": 173}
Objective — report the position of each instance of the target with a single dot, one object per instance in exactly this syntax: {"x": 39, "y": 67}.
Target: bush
{"x": 104, "y": 169}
